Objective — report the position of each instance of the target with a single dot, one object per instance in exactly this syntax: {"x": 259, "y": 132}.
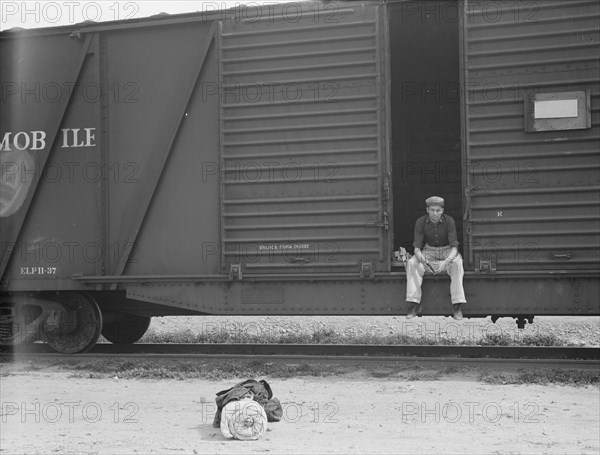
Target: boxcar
{"x": 270, "y": 160}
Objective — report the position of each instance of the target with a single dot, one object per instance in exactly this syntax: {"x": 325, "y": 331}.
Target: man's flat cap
{"x": 434, "y": 200}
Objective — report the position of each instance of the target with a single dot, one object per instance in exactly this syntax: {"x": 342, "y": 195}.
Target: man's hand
{"x": 441, "y": 266}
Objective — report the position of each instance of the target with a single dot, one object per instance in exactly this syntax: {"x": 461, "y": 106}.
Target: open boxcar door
{"x": 303, "y": 146}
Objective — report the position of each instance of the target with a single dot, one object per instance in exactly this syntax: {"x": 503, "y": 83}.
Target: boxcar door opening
{"x": 425, "y": 112}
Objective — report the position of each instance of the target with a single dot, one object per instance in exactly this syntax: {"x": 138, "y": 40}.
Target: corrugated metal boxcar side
{"x": 264, "y": 165}
{"x": 303, "y": 148}
{"x": 533, "y": 199}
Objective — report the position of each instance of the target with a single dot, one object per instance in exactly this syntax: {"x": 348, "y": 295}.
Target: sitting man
{"x": 438, "y": 232}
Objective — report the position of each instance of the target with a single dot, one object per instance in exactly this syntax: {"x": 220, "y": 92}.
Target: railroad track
{"x": 573, "y": 356}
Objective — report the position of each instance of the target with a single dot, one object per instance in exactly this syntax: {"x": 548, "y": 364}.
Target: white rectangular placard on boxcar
{"x": 555, "y": 108}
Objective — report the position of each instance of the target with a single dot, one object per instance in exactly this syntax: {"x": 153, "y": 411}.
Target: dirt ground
{"x": 61, "y": 412}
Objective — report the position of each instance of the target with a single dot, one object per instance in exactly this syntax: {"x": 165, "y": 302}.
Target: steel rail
{"x": 326, "y": 350}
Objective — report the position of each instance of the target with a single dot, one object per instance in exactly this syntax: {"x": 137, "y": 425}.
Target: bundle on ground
{"x": 243, "y": 419}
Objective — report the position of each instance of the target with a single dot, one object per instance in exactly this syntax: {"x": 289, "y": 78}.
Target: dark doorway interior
{"x": 425, "y": 100}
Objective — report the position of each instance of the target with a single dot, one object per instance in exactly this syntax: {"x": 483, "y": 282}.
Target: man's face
{"x": 435, "y": 213}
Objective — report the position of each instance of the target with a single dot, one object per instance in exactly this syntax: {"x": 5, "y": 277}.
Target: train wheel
{"x": 125, "y": 328}
{"x": 75, "y": 326}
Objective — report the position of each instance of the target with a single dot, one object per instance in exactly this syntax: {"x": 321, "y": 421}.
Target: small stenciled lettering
{"x": 283, "y": 246}
{"x": 38, "y": 271}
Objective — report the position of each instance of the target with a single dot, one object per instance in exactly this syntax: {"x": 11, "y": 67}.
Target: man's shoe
{"x": 457, "y": 313}
{"x": 412, "y": 313}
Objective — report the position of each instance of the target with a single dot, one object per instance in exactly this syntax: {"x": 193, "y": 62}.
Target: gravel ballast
{"x": 570, "y": 331}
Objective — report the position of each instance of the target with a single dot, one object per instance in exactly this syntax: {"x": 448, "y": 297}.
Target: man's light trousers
{"x": 434, "y": 255}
